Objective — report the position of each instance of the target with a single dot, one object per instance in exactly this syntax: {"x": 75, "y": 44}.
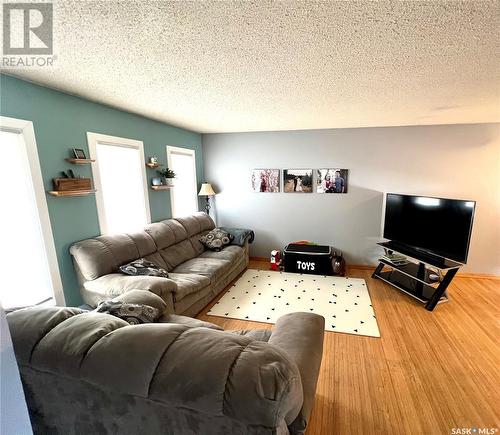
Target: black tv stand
{"x": 414, "y": 278}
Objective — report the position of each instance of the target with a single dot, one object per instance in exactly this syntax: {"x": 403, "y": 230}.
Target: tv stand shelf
{"x": 414, "y": 278}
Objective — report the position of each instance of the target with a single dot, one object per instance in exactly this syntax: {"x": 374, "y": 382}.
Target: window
{"x": 29, "y": 251}
{"x": 120, "y": 179}
{"x": 184, "y": 194}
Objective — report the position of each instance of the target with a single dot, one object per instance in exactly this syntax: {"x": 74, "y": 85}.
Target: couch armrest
{"x": 115, "y": 284}
{"x": 300, "y": 335}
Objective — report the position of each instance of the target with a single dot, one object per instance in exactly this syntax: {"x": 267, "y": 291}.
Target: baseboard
{"x": 368, "y": 267}
{"x": 259, "y": 259}
{"x": 360, "y": 266}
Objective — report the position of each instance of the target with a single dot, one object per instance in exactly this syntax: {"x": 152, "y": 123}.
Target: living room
{"x": 241, "y": 217}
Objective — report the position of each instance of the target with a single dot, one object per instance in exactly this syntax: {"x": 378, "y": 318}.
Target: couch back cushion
{"x": 196, "y": 226}
{"x": 167, "y": 244}
{"x": 105, "y": 254}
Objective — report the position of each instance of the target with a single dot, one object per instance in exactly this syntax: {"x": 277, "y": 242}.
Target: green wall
{"x": 61, "y": 122}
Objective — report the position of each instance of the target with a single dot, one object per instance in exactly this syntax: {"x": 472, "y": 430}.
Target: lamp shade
{"x": 206, "y": 190}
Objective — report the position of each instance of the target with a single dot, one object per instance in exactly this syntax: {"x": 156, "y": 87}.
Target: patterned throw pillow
{"x": 143, "y": 267}
{"x": 216, "y": 239}
{"x": 135, "y": 314}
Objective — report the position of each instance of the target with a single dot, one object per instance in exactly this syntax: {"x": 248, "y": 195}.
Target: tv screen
{"x": 437, "y": 225}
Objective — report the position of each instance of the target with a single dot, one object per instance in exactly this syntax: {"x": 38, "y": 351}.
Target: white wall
{"x": 456, "y": 161}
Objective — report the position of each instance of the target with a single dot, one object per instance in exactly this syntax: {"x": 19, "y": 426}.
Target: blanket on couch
{"x": 240, "y": 235}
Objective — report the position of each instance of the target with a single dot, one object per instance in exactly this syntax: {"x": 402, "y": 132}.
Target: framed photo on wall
{"x": 331, "y": 180}
{"x": 297, "y": 180}
{"x": 266, "y": 180}
{"x": 79, "y": 153}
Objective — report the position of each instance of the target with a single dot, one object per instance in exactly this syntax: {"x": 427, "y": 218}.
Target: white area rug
{"x": 264, "y": 296}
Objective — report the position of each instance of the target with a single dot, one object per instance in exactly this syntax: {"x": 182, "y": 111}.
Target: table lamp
{"x": 207, "y": 191}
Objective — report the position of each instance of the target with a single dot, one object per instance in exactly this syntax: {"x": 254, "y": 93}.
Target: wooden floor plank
{"x": 429, "y": 371}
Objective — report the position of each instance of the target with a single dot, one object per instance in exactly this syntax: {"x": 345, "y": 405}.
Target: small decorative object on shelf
{"x": 167, "y": 176}
{"x": 155, "y": 181}
{"x": 71, "y": 186}
{"x": 78, "y": 157}
{"x": 207, "y": 191}
{"x": 79, "y": 154}
{"x": 153, "y": 163}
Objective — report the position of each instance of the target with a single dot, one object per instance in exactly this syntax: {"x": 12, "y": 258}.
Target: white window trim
{"x": 25, "y": 128}
{"x": 187, "y": 152}
{"x": 93, "y": 139}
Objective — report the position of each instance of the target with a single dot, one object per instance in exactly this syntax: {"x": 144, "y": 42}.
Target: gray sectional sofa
{"x": 196, "y": 276}
{"x": 93, "y": 373}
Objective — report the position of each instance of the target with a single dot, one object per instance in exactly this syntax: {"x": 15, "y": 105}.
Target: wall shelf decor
{"x": 60, "y": 193}
{"x": 162, "y": 187}
{"x": 153, "y": 165}
{"x": 79, "y": 161}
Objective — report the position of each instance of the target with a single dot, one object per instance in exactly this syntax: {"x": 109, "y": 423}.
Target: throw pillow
{"x": 133, "y": 314}
{"x": 216, "y": 239}
{"x": 143, "y": 267}
{"x": 142, "y": 297}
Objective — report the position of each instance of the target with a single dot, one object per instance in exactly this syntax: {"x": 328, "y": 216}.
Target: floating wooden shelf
{"x": 161, "y": 187}
{"x": 79, "y": 161}
{"x": 153, "y": 165}
{"x": 71, "y": 192}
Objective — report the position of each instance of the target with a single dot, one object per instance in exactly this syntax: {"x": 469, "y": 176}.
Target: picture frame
{"x": 79, "y": 154}
{"x": 297, "y": 180}
{"x": 266, "y": 180}
{"x": 332, "y": 180}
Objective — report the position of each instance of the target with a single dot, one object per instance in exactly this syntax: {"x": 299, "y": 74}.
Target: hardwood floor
{"x": 428, "y": 373}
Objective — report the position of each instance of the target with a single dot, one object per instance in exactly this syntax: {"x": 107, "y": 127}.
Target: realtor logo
{"x": 27, "y": 28}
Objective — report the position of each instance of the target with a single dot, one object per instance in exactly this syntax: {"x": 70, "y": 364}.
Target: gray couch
{"x": 196, "y": 275}
{"x": 92, "y": 373}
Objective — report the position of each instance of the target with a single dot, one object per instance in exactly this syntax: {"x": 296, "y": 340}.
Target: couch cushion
{"x": 231, "y": 253}
{"x": 105, "y": 254}
{"x": 94, "y": 259}
{"x": 29, "y": 325}
{"x": 197, "y": 223}
{"x": 178, "y": 253}
{"x": 212, "y": 268}
{"x": 64, "y": 348}
{"x": 188, "y": 283}
{"x": 165, "y": 235}
{"x": 144, "y": 244}
{"x": 192, "y": 304}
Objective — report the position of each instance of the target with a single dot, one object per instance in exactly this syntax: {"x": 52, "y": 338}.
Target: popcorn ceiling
{"x": 257, "y": 65}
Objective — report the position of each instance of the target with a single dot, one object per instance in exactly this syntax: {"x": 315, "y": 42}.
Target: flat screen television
{"x": 436, "y": 226}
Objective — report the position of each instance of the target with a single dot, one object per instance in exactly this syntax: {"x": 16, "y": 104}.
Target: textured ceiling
{"x": 217, "y": 66}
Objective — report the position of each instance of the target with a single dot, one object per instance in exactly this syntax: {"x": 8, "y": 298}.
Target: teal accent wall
{"x": 61, "y": 122}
